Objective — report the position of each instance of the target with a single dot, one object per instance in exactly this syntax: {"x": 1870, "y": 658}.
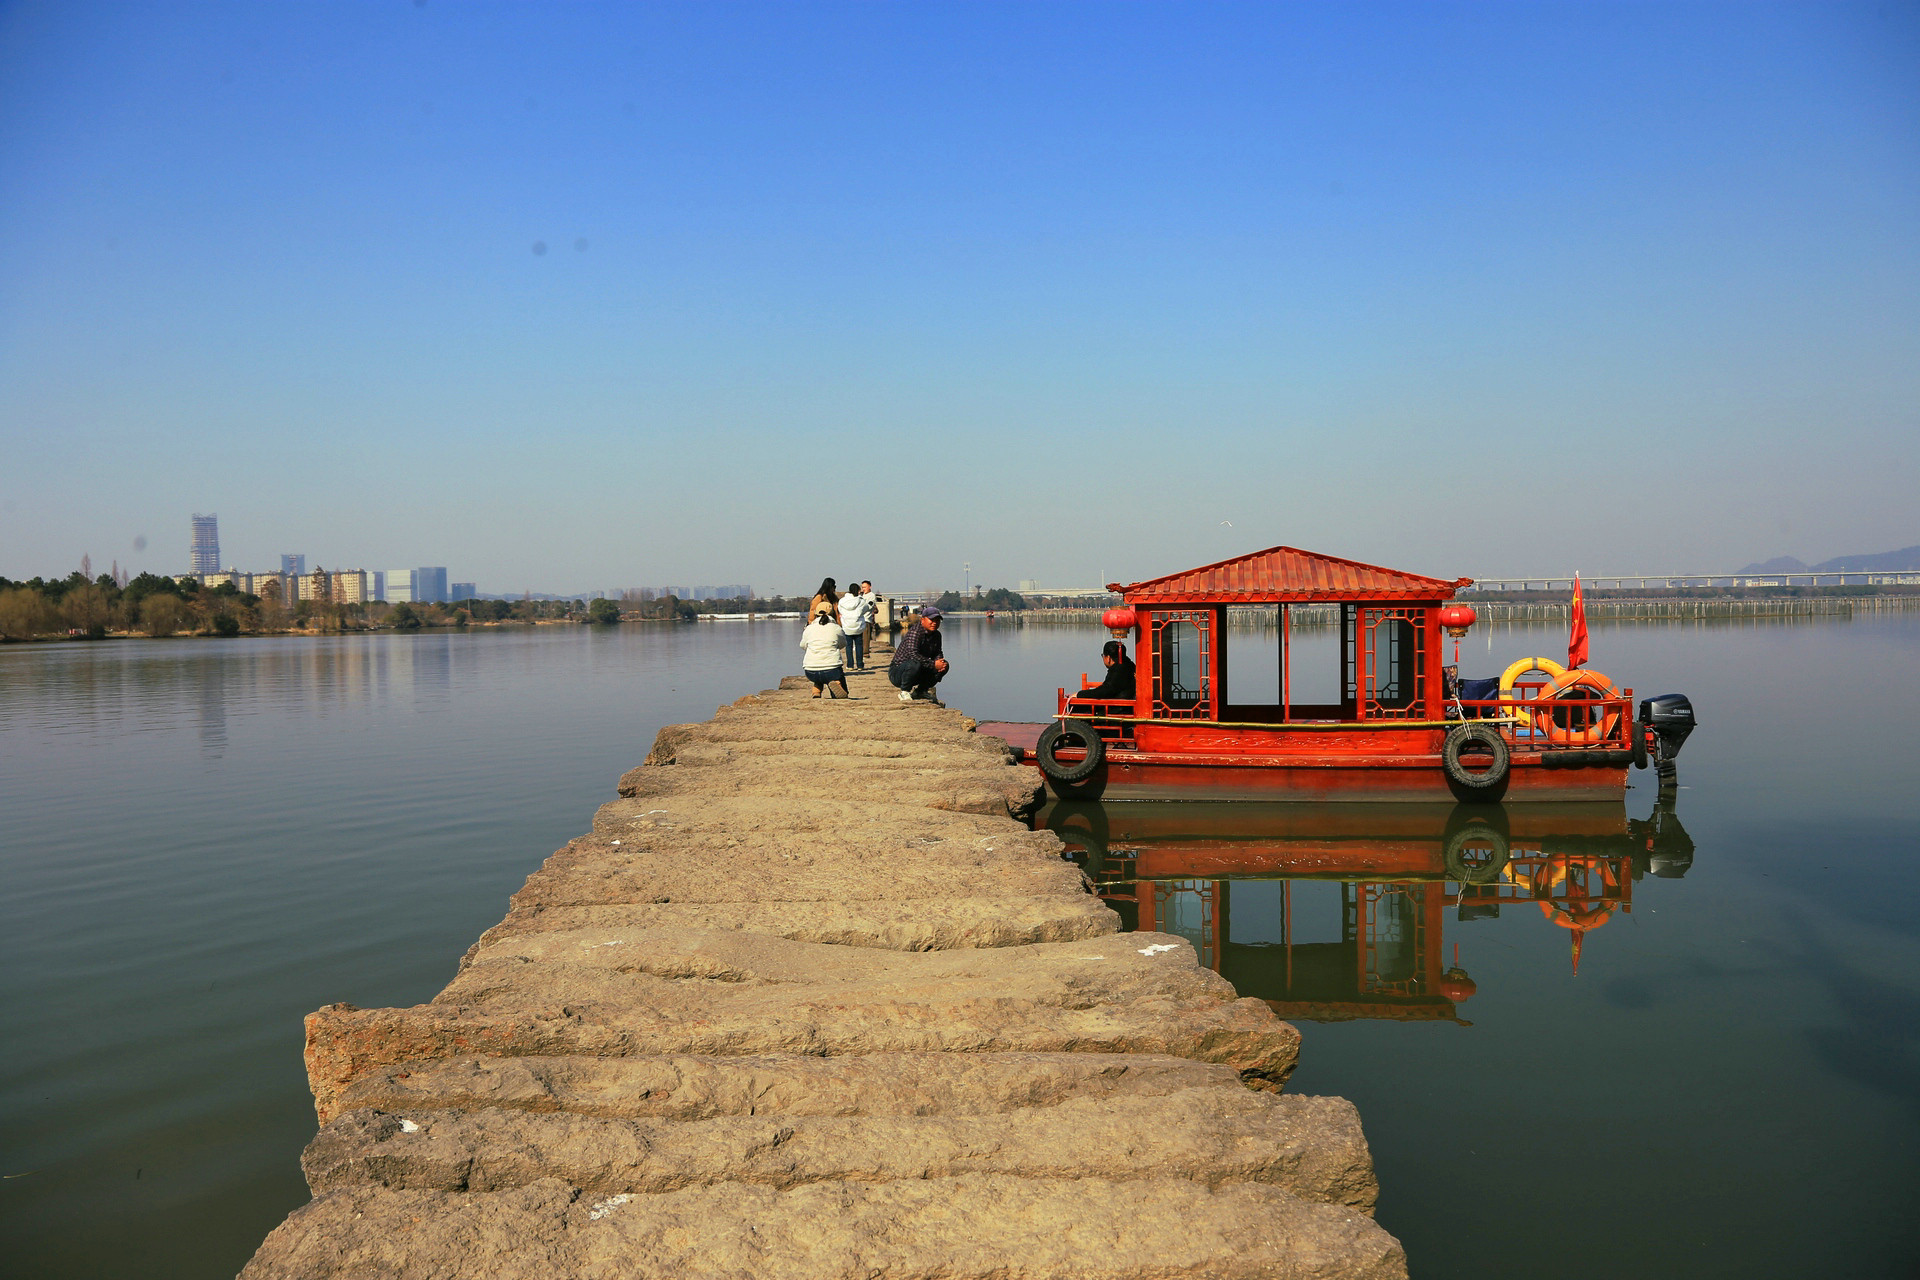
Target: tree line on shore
{"x": 995, "y": 599}
{"x": 998, "y": 599}
{"x": 77, "y": 607}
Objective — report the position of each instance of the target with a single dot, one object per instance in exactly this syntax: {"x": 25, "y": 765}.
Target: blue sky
{"x": 1056, "y": 290}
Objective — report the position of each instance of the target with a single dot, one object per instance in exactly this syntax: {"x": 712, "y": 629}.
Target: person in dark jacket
{"x": 917, "y": 663}
{"x": 1119, "y": 683}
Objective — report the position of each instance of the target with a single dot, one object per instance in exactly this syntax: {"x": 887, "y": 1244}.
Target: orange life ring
{"x": 1548, "y": 890}
{"x": 1546, "y": 666}
{"x": 1575, "y": 724}
{"x": 1588, "y": 915}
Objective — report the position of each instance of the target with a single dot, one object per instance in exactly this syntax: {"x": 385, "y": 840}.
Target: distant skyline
{"x": 567, "y": 295}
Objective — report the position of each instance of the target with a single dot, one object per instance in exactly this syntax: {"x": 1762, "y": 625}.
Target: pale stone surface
{"x": 1310, "y": 1146}
{"x": 970, "y": 1227}
{"x": 809, "y": 1001}
{"x": 694, "y": 1087}
{"x": 924, "y": 924}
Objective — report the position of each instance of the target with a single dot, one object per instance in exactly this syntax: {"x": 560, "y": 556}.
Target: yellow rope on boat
{"x": 1288, "y": 724}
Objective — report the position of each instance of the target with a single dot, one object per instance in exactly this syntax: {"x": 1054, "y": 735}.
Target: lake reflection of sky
{"x": 207, "y": 839}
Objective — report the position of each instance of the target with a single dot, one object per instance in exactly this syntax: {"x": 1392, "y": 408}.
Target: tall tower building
{"x": 430, "y": 584}
{"x": 292, "y": 566}
{"x": 206, "y": 544}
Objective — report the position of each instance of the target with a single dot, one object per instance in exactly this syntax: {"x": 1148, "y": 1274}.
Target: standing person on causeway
{"x": 873, "y": 612}
{"x": 826, "y": 595}
{"x": 917, "y": 662}
{"x": 856, "y": 610}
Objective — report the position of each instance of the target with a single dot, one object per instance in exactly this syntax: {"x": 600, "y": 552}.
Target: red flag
{"x": 1577, "y": 634}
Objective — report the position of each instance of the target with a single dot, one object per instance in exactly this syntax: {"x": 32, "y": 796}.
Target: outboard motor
{"x": 1669, "y": 845}
{"x": 1670, "y": 716}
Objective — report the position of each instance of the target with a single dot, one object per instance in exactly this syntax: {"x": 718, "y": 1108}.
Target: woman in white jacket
{"x": 822, "y": 642}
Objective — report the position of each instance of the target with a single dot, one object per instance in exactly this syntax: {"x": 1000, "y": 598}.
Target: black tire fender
{"x": 1638, "y": 733}
{"x": 1485, "y": 738}
{"x": 1476, "y": 854}
{"x": 1076, "y": 733}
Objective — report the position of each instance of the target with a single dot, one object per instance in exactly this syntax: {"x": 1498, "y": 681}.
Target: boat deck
{"x": 1023, "y": 738}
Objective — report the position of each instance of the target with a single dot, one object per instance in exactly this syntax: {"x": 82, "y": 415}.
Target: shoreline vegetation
{"x": 157, "y": 607}
{"x": 153, "y": 606}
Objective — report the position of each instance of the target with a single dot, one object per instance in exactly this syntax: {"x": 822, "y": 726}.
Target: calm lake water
{"x": 203, "y": 840}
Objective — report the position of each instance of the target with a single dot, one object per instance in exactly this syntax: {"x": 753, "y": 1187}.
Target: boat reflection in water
{"x": 1336, "y": 912}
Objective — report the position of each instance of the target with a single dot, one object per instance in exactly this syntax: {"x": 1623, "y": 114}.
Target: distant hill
{"x": 1905, "y": 560}
{"x": 1779, "y": 564}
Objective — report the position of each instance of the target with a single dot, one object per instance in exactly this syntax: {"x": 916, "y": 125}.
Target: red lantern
{"x": 1456, "y": 618}
{"x": 1118, "y": 621}
{"x": 1454, "y": 984}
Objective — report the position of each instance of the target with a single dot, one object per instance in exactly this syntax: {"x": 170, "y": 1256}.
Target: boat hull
{"x": 1121, "y": 778}
{"x": 1369, "y": 771}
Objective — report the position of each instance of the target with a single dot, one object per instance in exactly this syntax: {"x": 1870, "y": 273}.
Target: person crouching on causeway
{"x": 917, "y": 665}
{"x": 822, "y": 642}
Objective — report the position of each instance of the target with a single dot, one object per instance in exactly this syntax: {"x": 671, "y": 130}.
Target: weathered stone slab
{"x": 686, "y": 1087}
{"x": 973, "y": 1227}
{"x": 1133, "y": 964}
{"x": 969, "y": 781}
{"x": 689, "y": 879}
{"x": 925, "y": 924}
{"x": 997, "y": 793}
{"x": 748, "y": 818}
{"x": 626, "y": 839}
{"x": 1310, "y": 1146}
{"x": 744, "y": 994}
{"x": 634, "y": 862}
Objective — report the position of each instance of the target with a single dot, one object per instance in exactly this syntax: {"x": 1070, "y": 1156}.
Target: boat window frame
{"x": 1393, "y": 661}
{"x": 1161, "y": 622}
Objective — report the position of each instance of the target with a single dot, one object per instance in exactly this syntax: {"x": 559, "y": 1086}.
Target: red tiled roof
{"x": 1286, "y": 574}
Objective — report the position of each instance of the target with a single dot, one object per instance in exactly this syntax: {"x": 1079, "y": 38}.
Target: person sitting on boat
{"x": 917, "y": 662}
{"x": 1119, "y": 683}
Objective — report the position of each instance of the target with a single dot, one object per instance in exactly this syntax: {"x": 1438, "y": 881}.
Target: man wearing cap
{"x": 917, "y": 665}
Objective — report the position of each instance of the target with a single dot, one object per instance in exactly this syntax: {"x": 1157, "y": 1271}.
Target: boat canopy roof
{"x": 1285, "y": 575}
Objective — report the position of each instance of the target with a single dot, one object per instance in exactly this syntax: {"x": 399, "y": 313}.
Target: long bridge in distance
{"x": 1596, "y": 582}
{"x": 1676, "y": 581}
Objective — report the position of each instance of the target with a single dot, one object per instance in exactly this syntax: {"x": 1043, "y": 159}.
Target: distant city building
{"x": 399, "y": 586}
{"x": 292, "y": 566}
{"x": 430, "y": 584}
{"x": 265, "y": 585}
{"x": 211, "y": 580}
{"x": 376, "y": 584}
{"x": 350, "y": 586}
{"x": 733, "y": 592}
{"x": 206, "y": 544}
{"x": 462, "y": 591}
{"x": 315, "y": 586}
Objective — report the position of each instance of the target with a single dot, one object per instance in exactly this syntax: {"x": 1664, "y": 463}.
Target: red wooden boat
{"x": 1400, "y": 731}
